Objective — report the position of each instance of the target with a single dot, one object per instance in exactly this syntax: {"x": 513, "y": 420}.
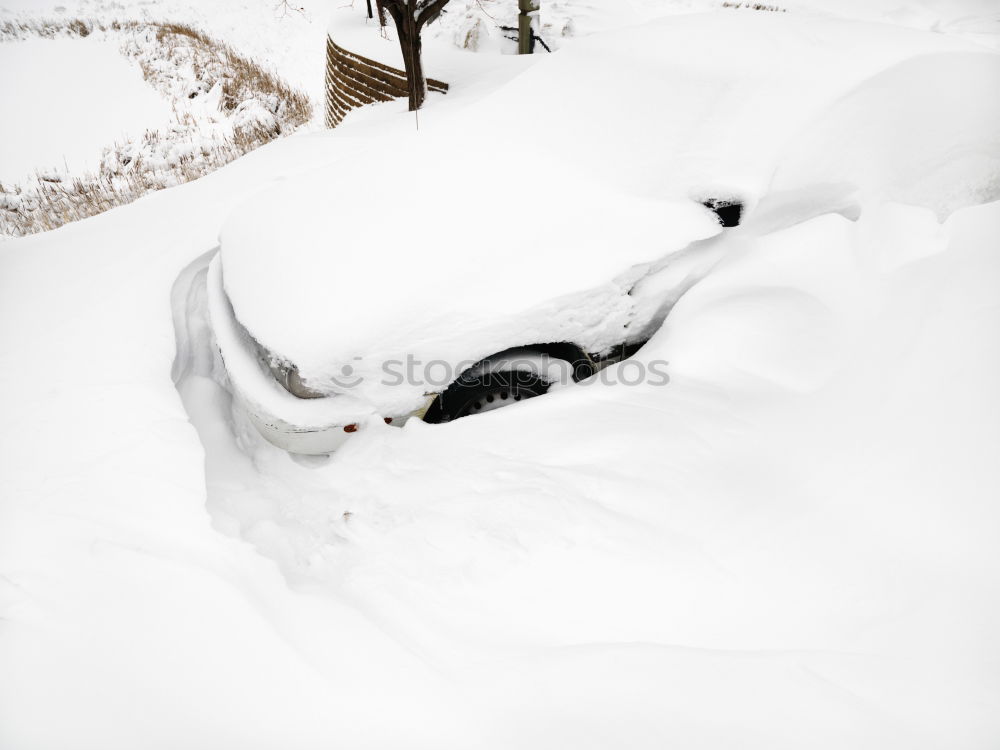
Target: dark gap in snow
{"x": 728, "y": 210}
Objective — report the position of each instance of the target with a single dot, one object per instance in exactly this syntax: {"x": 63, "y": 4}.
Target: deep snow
{"x": 792, "y": 544}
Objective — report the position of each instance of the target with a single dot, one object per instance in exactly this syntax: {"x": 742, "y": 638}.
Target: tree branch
{"x": 429, "y": 12}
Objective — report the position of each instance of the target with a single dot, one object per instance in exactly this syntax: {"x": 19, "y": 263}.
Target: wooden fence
{"x": 353, "y": 81}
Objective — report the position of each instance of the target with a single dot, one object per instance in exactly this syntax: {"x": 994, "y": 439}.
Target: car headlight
{"x": 288, "y": 376}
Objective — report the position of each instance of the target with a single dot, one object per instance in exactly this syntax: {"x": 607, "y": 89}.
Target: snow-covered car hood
{"x": 489, "y": 267}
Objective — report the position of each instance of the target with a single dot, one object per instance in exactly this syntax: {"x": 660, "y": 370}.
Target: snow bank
{"x": 921, "y": 133}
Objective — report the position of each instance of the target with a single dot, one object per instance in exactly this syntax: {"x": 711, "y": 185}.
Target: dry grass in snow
{"x": 224, "y": 106}
{"x": 755, "y": 6}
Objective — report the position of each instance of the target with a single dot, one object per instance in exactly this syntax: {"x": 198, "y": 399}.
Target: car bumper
{"x": 306, "y": 426}
{"x": 310, "y": 441}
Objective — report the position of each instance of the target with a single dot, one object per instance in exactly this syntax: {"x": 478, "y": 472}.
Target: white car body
{"x": 598, "y": 322}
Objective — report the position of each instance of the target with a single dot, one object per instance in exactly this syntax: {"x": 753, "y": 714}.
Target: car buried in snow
{"x": 330, "y": 319}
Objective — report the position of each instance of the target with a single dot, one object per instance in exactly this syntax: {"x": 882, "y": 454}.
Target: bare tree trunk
{"x": 409, "y": 44}
{"x": 410, "y": 16}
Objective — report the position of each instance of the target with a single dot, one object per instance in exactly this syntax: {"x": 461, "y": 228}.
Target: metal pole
{"x": 525, "y": 32}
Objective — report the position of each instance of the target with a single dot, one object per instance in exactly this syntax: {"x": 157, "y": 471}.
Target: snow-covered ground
{"x": 76, "y": 110}
{"x": 793, "y": 544}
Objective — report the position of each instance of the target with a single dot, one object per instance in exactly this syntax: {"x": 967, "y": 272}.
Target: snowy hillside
{"x": 792, "y": 543}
